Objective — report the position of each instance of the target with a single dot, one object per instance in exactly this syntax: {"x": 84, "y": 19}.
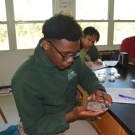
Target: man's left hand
{"x": 100, "y": 95}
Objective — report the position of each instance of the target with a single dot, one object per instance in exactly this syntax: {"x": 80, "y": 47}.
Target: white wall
{"x": 9, "y": 62}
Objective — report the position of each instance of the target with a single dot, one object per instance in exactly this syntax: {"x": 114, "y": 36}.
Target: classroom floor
{"x": 9, "y": 109}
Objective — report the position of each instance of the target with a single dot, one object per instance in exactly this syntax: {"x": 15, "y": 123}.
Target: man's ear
{"x": 45, "y": 45}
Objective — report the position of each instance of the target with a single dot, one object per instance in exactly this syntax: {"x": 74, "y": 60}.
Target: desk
{"x": 124, "y": 114}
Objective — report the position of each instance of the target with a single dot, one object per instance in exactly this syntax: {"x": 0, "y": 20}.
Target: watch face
{"x": 93, "y": 106}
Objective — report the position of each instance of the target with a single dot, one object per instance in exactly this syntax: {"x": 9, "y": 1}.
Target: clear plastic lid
{"x": 93, "y": 106}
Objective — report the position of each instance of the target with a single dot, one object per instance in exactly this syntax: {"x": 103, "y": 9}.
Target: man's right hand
{"x": 80, "y": 112}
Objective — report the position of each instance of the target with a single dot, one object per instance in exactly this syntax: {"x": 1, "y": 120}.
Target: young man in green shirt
{"x": 45, "y": 85}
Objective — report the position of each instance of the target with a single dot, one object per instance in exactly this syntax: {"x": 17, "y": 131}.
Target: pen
{"x": 124, "y": 96}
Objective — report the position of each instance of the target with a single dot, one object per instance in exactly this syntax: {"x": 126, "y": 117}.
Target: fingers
{"x": 88, "y": 64}
{"x": 98, "y": 61}
{"x": 83, "y": 112}
{"x": 96, "y": 95}
{"x": 99, "y": 95}
{"x": 92, "y": 113}
{"x": 107, "y": 98}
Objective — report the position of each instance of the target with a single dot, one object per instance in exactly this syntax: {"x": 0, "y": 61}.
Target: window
{"x": 124, "y": 20}
{"x": 87, "y": 10}
{"x": 114, "y": 19}
{"x": 88, "y": 15}
{"x": 4, "y": 44}
{"x": 21, "y": 21}
{"x": 102, "y": 27}
{"x": 29, "y": 18}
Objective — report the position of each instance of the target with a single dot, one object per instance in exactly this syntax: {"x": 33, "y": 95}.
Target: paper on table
{"x": 97, "y": 66}
{"x": 114, "y": 92}
{"x": 130, "y": 63}
{"x": 110, "y": 63}
{"x": 133, "y": 80}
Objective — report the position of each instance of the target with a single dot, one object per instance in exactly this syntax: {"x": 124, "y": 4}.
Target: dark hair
{"x": 97, "y": 34}
{"x": 91, "y": 31}
{"x": 62, "y": 27}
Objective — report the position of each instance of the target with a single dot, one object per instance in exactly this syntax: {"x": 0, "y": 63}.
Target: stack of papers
{"x": 133, "y": 80}
{"x": 97, "y": 66}
{"x": 105, "y": 64}
{"x": 5, "y": 91}
{"x": 122, "y": 95}
{"x": 110, "y": 63}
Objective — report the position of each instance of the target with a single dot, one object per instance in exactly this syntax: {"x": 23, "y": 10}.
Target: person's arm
{"x": 87, "y": 78}
{"x": 124, "y": 47}
{"x": 80, "y": 112}
{"x": 33, "y": 113}
{"x": 131, "y": 59}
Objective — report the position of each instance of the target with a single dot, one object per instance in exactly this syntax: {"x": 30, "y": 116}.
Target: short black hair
{"x": 98, "y": 35}
{"x": 62, "y": 27}
{"x": 91, "y": 31}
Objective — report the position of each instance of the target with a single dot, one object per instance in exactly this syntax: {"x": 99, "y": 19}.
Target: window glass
{"x": 124, "y": 10}
{"x": 123, "y": 30}
{"x": 91, "y": 9}
{"x": 102, "y": 28}
{"x": 28, "y": 35}
{"x": 32, "y": 9}
{"x": 4, "y": 44}
{"x": 2, "y": 11}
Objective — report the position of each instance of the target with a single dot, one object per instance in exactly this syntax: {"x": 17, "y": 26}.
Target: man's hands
{"x": 80, "y": 112}
{"x": 85, "y": 112}
{"x": 100, "y": 95}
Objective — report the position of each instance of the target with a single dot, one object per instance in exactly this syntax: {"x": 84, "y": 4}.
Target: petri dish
{"x": 111, "y": 78}
{"x": 101, "y": 73}
{"x": 94, "y": 107}
{"x": 111, "y": 72}
{"x": 117, "y": 76}
{"x": 101, "y": 79}
{"x": 102, "y": 76}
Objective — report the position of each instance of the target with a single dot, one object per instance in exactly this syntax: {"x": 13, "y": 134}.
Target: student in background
{"x": 45, "y": 85}
{"x": 89, "y": 51}
{"x": 128, "y": 45}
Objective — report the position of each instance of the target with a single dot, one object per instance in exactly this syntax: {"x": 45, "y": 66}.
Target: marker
{"x": 124, "y": 96}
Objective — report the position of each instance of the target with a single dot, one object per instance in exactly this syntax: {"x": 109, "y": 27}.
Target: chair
{"x": 3, "y": 116}
{"x": 83, "y": 95}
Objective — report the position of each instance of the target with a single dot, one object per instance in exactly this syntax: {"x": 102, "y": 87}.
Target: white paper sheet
{"x": 97, "y": 66}
{"x": 130, "y": 63}
{"x": 133, "y": 80}
{"x": 114, "y": 92}
{"x": 110, "y": 63}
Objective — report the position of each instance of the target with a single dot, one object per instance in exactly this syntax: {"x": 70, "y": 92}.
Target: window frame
{"x": 12, "y": 34}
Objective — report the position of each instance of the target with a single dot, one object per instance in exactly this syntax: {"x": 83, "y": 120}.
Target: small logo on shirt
{"x": 71, "y": 74}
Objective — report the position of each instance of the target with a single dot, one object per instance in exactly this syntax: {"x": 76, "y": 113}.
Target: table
{"x": 124, "y": 114}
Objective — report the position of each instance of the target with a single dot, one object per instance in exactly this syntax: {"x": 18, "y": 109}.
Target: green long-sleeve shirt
{"x": 43, "y": 93}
